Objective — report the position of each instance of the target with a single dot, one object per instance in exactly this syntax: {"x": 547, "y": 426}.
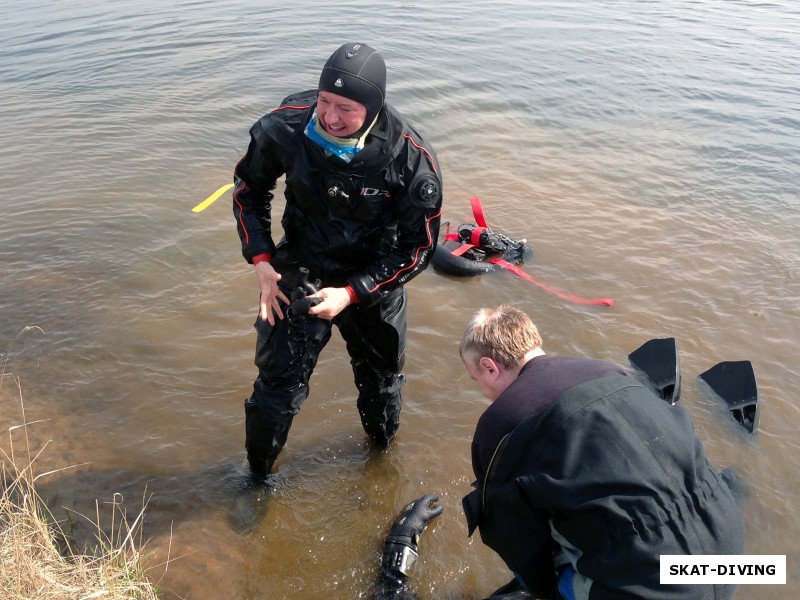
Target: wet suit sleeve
{"x": 419, "y": 202}
{"x": 255, "y": 178}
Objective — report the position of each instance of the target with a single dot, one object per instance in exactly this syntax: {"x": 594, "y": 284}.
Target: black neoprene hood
{"x": 356, "y": 71}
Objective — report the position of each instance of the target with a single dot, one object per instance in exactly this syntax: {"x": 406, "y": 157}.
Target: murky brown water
{"x": 648, "y": 151}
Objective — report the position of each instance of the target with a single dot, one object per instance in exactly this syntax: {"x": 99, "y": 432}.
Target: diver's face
{"x": 340, "y": 116}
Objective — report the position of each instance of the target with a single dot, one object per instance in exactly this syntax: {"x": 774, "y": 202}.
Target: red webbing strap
{"x": 475, "y": 235}
{"x": 461, "y": 249}
{"x": 458, "y": 250}
{"x": 454, "y": 237}
{"x": 576, "y": 299}
{"x": 477, "y": 210}
{"x": 480, "y": 219}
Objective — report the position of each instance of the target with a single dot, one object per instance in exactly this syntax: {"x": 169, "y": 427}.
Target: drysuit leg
{"x": 376, "y": 341}
{"x": 286, "y": 354}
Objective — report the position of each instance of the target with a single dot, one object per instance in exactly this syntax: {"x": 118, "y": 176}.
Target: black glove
{"x": 299, "y": 300}
{"x": 300, "y": 306}
{"x": 413, "y": 520}
{"x": 400, "y": 549}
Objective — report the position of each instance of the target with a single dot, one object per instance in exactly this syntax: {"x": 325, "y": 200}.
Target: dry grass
{"x": 36, "y": 560}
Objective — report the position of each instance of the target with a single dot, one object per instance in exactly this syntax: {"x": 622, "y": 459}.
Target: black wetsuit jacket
{"x": 613, "y": 476}
{"x": 372, "y": 223}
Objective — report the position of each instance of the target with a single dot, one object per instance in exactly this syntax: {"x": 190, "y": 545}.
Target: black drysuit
{"x": 605, "y": 477}
{"x": 371, "y": 224}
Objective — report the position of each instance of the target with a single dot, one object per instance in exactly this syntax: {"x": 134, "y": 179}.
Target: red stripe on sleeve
{"x": 424, "y": 149}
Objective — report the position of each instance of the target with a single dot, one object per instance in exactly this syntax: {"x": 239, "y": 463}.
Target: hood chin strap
{"x": 343, "y": 148}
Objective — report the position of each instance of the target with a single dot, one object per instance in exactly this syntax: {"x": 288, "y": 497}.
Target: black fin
{"x": 658, "y": 360}
{"x": 735, "y": 383}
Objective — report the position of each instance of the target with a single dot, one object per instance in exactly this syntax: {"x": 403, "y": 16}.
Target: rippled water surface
{"x": 648, "y": 150}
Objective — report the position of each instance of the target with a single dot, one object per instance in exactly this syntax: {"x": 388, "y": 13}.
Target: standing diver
{"x": 363, "y": 202}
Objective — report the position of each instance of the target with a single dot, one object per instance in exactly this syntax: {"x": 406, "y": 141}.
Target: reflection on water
{"x": 648, "y": 151}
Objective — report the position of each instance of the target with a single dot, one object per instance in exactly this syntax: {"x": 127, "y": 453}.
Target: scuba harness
{"x": 478, "y": 243}
{"x": 478, "y": 249}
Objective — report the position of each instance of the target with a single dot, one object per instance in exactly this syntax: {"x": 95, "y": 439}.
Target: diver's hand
{"x": 334, "y": 301}
{"x": 268, "y": 279}
{"x": 414, "y": 519}
{"x": 400, "y": 549}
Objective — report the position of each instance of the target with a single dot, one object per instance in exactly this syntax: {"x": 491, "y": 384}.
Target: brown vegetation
{"x": 37, "y": 560}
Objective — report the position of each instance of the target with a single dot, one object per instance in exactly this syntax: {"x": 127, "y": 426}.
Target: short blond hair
{"x": 505, "y": 334}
